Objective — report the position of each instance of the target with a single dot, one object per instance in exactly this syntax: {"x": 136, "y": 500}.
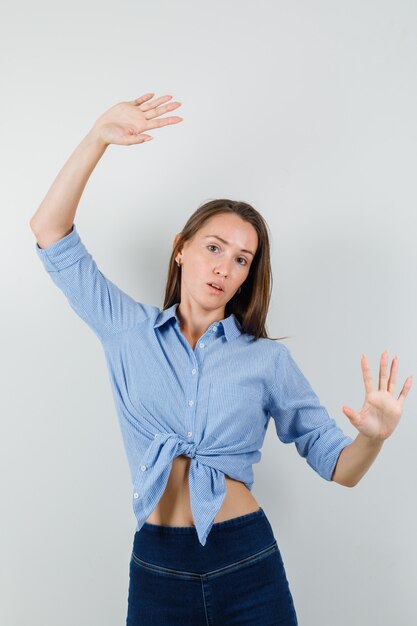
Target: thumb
{"x": 351, "y": 414}
{"x": 139, "y": 138}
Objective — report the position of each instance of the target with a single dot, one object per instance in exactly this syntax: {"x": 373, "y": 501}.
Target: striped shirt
{"x": 212, "y": 403}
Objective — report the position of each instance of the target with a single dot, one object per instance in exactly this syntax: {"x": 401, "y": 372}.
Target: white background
{"x": 307, "y": 110}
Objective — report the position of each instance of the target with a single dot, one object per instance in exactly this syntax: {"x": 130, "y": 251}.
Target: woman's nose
{"x": 221, "y": 272}
{"x": 223, "y": 268}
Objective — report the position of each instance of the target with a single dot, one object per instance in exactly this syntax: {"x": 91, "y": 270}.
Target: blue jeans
{"x": 237, "y": 578}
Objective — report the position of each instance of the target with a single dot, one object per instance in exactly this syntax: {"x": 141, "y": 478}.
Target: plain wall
{"x": 308, "y": 112}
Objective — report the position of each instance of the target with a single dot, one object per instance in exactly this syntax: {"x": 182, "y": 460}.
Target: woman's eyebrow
{"x": 227, "y": 243}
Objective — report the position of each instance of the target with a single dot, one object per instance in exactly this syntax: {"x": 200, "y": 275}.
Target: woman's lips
{"x": 214, "y": 290}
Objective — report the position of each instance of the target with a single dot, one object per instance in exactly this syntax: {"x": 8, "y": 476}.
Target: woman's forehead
{"x": 231, "y": 228}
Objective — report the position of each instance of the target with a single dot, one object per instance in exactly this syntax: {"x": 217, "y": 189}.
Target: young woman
{"x": 195, "y": 385}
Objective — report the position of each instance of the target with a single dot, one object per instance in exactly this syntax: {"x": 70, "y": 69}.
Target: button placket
{"x": 201, "y": 345}
{"x": 191, "y": 403}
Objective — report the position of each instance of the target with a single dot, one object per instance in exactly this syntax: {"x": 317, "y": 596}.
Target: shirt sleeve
{"x": 97, "y": 300}
{"x": 301, "y": 419}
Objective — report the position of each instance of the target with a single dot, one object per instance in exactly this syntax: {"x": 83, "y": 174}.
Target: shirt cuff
{"x": 62, "y": 253}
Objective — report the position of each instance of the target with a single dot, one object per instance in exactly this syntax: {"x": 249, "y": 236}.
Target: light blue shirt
{"x": 212, "y": 403}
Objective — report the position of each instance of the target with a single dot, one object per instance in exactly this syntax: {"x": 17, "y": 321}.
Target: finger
{"x": 366, "y": 371}
{"x": 143, "y": 98}
{"x": 154, "y": 103}
{"x": 406, "y": 388}
{"x": 383, "y": 376}
{"x": 152, "y": 113}
{"x": 163, "y": 122}
{"x": 393, "y": 375}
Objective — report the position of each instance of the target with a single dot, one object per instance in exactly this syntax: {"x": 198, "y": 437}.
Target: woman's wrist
{"x": 94, "y": 136}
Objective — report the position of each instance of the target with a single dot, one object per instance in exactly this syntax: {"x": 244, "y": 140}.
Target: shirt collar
{"x": 230, "y": 324}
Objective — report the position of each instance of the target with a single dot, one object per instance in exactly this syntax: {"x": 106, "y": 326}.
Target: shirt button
{"x": 214, "y": 329}
{"x": 191, "y": 402}
{"x": 143, "y": 468}
{"x": 156, "y": 435}
{"x": 136, "y": 495}
{"x": 189, "y": 433}
{"x": 201, "y": 345}
{"x": 193, "y": 371}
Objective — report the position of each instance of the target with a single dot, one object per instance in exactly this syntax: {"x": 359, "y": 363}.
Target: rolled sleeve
{"x": 301, "y": 419}
{"x": 96, "y": 299}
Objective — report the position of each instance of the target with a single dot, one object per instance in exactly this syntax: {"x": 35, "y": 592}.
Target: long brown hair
{"x": 250, "y": 306}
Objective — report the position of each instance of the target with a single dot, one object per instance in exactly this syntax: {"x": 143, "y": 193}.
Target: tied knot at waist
{"x": 206, "y": 479}
{"x": 187, "y": 448}
{"x": 190, "y": 449}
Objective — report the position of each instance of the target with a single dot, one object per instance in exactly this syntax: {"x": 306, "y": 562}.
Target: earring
{"x": 178, "y": 263}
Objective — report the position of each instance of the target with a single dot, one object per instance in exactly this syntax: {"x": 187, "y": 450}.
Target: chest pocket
{"x": 234, "y": 413}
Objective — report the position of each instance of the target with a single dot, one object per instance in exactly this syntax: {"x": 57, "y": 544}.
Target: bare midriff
{"x": 173, "y": 509}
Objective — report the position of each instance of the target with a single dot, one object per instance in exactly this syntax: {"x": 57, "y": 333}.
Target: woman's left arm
{"x": 375, "y": 422}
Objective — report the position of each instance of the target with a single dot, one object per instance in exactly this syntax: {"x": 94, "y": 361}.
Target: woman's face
{"x": 206, "y": 259}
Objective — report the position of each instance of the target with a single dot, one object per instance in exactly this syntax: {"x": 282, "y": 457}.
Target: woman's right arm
{"x": 122, "y": 124}
{"x": 96, "y": 299}
{"x": 55, "y": 216}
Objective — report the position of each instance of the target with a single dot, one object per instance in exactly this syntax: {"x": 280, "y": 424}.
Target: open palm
{"x": 381, "y": 411}
{"x": 125, "y": 122}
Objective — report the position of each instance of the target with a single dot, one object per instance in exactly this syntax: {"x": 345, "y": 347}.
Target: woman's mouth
{"x": 214, "y": 289}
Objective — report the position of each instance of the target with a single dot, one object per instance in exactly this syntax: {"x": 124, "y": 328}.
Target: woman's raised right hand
{"x": 125, "y": 122}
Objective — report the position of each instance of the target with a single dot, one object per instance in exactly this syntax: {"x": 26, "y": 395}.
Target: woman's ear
{"x": 177, "y": 236}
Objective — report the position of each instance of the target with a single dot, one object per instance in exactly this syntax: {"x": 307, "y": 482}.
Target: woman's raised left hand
{"x": 381, "y": 411}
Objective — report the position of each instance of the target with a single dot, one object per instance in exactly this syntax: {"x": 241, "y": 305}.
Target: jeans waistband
{"x": 190, "y": 530}
{"x": 178, "y": 547}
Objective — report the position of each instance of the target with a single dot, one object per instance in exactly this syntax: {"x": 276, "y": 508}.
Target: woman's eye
{"x": 211, "y": 245}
